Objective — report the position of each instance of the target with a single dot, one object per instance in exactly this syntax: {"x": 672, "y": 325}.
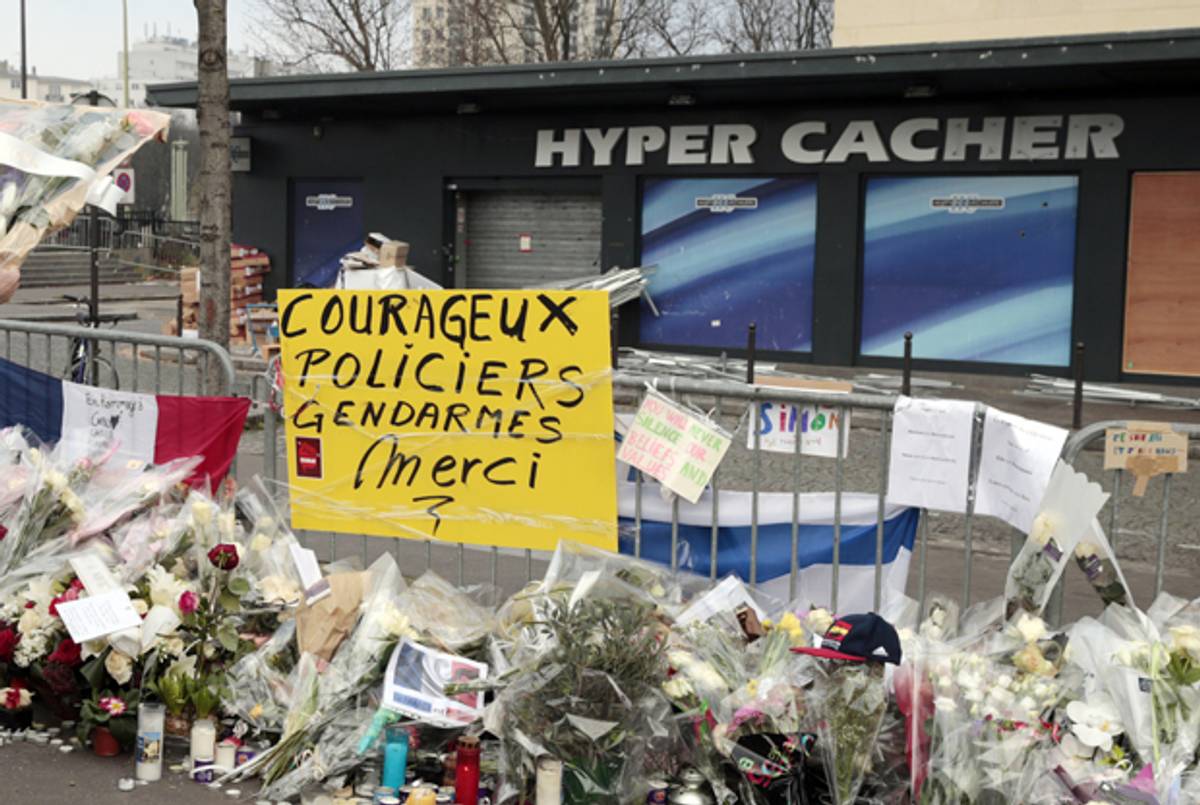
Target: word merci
{"x": 814, "y": 142}
{"x": 674, "y": 447}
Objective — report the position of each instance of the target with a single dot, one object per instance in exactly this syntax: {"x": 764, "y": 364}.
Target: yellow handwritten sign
{"x": 1145, "y": 449}
{"x": 482, "y": 417}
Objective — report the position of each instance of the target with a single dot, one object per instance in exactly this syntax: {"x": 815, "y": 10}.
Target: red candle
{"x": 466, "y": 772}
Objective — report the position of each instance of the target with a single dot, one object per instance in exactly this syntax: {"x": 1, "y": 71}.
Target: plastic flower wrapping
{"x": 54, "y": 159}
{"x": 624, "y": 672}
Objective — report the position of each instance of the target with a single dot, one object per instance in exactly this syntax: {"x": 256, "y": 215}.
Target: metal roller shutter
{"x": 564, "y": 232}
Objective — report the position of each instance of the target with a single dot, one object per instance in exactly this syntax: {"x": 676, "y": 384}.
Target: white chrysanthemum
{"x": 56, "y": 481}
{"x": 165, "y": 588}
{"x": 1030, "y": 628}
{"x": 677, "y": 687}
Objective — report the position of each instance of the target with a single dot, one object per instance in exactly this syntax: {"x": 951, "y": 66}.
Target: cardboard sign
{"x": 1145, "y": 449}
{"x": 466, "y": 416}
{"x": 674, "y": 446}
{"x": 818, "y": 425}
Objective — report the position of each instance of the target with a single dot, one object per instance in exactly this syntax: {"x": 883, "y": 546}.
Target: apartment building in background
{"x": 54, "y": 89}
{"x": 866, "y": 23}
{"x": 448, "y": 33}
{"x": 165, "y": 59}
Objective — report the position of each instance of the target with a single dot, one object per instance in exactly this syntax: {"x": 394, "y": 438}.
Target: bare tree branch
{"x": 320, "y": 35}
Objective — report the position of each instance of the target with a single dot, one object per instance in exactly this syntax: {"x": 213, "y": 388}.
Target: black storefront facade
{"x": 1001, "y": 200}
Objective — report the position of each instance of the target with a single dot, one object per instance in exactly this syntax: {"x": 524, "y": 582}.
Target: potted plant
{"x": 174, "y": 688}
{"x": 110, "y": 722}
{"x": 16, "y": 707}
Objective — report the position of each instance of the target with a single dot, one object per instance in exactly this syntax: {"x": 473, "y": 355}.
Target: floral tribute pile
{"x": 628, "y": 676}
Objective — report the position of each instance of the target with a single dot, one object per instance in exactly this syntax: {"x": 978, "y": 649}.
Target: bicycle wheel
{"x": 106, "y": 373}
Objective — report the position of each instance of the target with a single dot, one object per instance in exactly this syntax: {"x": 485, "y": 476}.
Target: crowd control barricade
{"x": 126, "y": 360}
{"x": 1091, "y": 438}
{"x": 861, "y": 466}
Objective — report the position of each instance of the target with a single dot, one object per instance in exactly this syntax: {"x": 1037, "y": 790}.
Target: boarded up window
{"x": 1162, "y": 293}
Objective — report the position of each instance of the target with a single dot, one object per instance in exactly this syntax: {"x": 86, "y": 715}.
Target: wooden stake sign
{"x": 1145, "y": 449}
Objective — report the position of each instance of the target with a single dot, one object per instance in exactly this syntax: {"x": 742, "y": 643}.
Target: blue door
{"x": 327, "y": 222}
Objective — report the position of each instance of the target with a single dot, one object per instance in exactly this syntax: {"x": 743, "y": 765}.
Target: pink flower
{"x": 3, "y": 532}
{"x": 188, "y": 601}
{"x": 112, "y": 705}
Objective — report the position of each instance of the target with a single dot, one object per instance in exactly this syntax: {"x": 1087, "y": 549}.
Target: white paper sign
{"x": 931, "y": 453}
{"x": 98, "y": 615}
{"x": 727, "y": 596}
{"x": 416, "y": 680}
{"x": 1015, "y": 465}
{"x": 674, "y": 446}
{"x": 316, "y": 586}
{"x": 818, "y": 426}
{"x": 94, "y": 573}
{"x": 93, "y": 418}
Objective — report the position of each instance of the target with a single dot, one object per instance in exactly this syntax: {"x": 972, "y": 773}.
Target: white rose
{"x": 1085, "y": 549}
{"x": 1030, "y": 628}
{"x": 1043, "y": 529}
{"x": 140, "y": 606}
{"x": 945, "y": 704}
{"x": 119, "y": 667}
{"x": 677, "y": 687}
{"x": 172, "y": 645}
{"x": 277, "y": 588}
{"x": 1186, "y": 638}
{"x": 226, "y": 524}
{"x": 818, "y": 621}
{"x": 266, "y": 524}
{"x": 260, "y": 543}
{"x": 202, "y": 512}
{"x": 395, "y": 622}
{"x": 30, "y": 621}
{"x": 56, "y": 480}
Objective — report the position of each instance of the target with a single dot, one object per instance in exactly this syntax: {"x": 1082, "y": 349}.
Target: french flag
{"x": 148, "y": 428}
{"x": 856, "y": 557}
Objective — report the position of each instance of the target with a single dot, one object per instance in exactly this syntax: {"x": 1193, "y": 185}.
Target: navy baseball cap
{"x": 858, "y": 638}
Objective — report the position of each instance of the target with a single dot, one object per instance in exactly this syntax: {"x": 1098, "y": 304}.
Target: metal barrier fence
{"x": 1091, "y": 434}
{"x": 745, "y": 468}
{"x": 145, "y": 362}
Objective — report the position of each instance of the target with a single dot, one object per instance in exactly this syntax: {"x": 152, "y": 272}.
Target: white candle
{"x": 549, "y": 781}
{"x": 204, "y": 738}
{"x": 226, "y": 757}
{"x": 150, "y": 742}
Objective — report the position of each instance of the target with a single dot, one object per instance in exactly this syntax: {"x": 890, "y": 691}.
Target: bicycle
{"x": 85, "y": 352}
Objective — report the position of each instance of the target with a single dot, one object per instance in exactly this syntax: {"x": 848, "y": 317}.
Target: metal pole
{"x": 94, "y": 299}
{"x": 751, "y": 342}
{"x": 24, "y": 76}
{"x": 906, "y": 380}
{"x": 179, "y": 315}
{"x": 616, "y": 338}
{"x": 1077, "y": 415}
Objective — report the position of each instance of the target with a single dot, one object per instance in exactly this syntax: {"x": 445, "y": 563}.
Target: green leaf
{"x": 93, "y": 670}
{"x": 227, "y": 637}
{"x": 239, "y": 586}
{"x": 229, "y": 602}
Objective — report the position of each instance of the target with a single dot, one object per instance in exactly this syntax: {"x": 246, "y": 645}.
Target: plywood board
{"x": 1162, "y": 294}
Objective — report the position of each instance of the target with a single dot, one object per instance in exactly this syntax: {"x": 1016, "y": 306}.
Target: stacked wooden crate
{"x": 248, "y": 270}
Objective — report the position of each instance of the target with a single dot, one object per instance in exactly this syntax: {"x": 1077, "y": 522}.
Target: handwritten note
{"x": 674, "y": 446}
{"x": 93, "y": 418}
{"x": 1015, "y": 464}
{"x": 1145, "y": 449}
{"x": 98, "y": 615}
{"x": 931, "y": 453}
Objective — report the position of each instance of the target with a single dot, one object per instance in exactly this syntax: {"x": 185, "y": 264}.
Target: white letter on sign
{"x": 1035, "y": 137}
{"x": 904, "y": 134}
{"x": 733, "y": 140}
{"x": 792, "y": 144}
{"x": 640, "y": 141}
{"x": 689, "y": 145}
{"x": 860, "y": 137}
{"x": 603, "y": 141}
{"x": 1102, "y": 130}
{"x": 548, "y": 146}
{"x": 959, "y": 138}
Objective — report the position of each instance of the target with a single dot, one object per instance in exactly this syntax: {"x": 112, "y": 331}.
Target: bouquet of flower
{"x": 55, "y": 160}
{"x": 849, "y": 703}
{"x": 51, "y": 505}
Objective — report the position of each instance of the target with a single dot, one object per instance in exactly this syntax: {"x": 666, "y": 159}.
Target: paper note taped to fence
{"x": 931, "y": 453}
{"x": 674, "y": 446}
{"x": 1145, "y": 449}
{"x": 1015, "y": 464}
{"x": 482, "y": 417}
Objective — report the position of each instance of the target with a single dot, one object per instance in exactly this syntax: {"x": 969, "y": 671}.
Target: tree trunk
{"x": 216, "y": 180}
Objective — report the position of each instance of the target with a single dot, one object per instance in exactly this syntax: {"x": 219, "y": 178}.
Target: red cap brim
{"x": 828, "y": 654}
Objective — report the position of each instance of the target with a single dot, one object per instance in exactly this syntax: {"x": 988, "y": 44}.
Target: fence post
{"x": 179, "y": 315}
{"x": 1077, "y": 412}
{"x": 616, "y": 337}
{"x": 906, "y": 380}
{"x": 751, "y": 344}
